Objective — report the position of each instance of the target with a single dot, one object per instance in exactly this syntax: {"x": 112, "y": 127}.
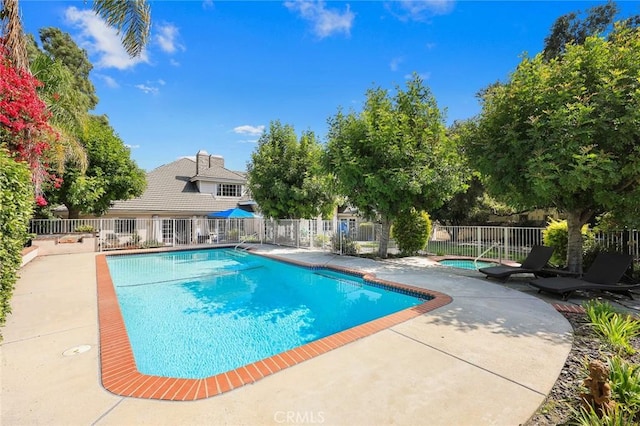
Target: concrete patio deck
{"x": 488, "y": 358}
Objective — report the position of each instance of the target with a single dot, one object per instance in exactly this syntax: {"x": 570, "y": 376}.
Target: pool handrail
{"x": 495, "y": 244}
{"x": 244, "y": 240}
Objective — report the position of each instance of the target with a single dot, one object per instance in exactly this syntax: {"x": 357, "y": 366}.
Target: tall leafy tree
{"x": 130, "y": 17}
{"x": 471, "y": 205}
{"x": 394, "y": 155}
{"x": 285, "y": 175}
{"x": 564, "y": 133}
{"x": 65, "y": 103}
{"x": 111, "y": 173}
{"x": 575, "y": 27}
{"x": 60, "y": 46}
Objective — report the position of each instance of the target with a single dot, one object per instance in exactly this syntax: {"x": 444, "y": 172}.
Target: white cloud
{"x": 420, "y": 10}
{"x": 395, "y": 62}
{"x": 325, "y": 21}
{"x": 166, "y": 37}
{"x": 150, "y": 86}
{"x": 132, "y": 146}
{"x": 147, "y": 89}
{"x": 109, "y": 81}
{"x": 207, "y": 4}
{"x": 248, "y": 141}
{"x": 249, "y": 130}
{"x": 174, "y": 63}
{"x": 101, "y": 40}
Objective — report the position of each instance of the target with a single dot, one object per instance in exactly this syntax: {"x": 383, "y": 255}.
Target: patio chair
{"x": 603, "y": 275}
{"x": 535, "y": 261}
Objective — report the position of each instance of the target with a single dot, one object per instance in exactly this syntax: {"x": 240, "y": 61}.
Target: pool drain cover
{"x": 76, "y": 350}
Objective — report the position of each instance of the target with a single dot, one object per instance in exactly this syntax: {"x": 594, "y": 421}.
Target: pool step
{"x": 215, "y": 273}
{"x": 238, "y": 253}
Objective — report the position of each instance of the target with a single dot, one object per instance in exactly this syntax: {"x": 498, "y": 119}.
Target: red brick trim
{"x": 570, "y": 309}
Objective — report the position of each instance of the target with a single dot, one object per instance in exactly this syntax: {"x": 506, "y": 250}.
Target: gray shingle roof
{"x": 219, "y": 174}
{"x": 172, "y": 188}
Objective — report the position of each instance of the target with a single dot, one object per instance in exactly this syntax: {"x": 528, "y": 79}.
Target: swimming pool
{"x": 466, "y": 264}
{"x": 198, "y": 313}
{"x": 356, "y": 302}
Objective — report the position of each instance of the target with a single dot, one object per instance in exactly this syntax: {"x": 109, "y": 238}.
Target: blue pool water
{"x": 466, "y": 264}
{"x": 194, "y": 314}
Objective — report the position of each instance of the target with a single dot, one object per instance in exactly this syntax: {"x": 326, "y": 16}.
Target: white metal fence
{"x": 494, "y": 242}
{"x": 344, "y": 236}
{"x": 513, "y": 243}
{"x": 128, "y": 233}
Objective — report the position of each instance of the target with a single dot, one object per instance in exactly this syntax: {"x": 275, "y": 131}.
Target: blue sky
{"x": 215, "y": 73}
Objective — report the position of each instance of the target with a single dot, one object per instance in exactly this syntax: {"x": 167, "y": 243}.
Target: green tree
{"x": 393, "y": 156}
{"x": 60, "y": 46}
{"x": 471, "y": 205}
{"x": 111, "y": 173}
{"x": 64, "y": 102}
{"x": 131, "y": 18}
{"x": 285, "y": 176}
{"x": 575, "y": 27}
{"x": 564, "y": 133}
{"x": 411, "y": 231}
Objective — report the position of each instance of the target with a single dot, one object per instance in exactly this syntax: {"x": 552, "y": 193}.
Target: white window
{"x": 229, "y": 190}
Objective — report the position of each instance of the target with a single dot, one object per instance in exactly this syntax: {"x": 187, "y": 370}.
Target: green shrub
{"x": 625, "y": 384}
{"x": 588, "y": 417}
{"x": 16, "y": 209}
{"x": 85, "y": 228}
{"x": 321, "y": 239}
{"x": 151, "y": 244}
{"x": 135, "y": 238}
{"x": 233, "y": 235}
{"x": 345, "y": 245}
{"x": 598, "y": 311}
{"x": 411, "y": 231}
{"x": 556, "y": 235}
{"x": 617, "y": 328}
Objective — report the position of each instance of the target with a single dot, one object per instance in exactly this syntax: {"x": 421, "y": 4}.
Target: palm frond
{"x": 132, "y": 19}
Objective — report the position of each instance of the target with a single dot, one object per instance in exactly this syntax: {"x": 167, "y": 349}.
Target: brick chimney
{"x": 202, "y": 161}
{"x": 216, "y": 160}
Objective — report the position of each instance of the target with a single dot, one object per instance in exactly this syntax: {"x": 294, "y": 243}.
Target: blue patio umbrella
{"x": 234, "y": 213}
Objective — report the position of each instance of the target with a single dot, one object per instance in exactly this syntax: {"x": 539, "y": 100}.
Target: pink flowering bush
{"x": 24, "y": 129}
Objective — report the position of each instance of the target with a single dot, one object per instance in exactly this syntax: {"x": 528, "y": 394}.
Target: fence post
{"x": 479, "y": 237}
{"x": 505, "y": 238}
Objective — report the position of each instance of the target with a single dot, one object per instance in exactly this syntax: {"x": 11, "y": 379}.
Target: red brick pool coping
{"x": 121, "y": 376}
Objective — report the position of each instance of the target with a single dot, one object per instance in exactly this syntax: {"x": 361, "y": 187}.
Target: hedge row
{"x": 16, "y": 208}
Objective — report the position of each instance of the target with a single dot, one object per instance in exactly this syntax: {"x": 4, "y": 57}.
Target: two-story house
{"x": 179, "y": 193}
{"x": 186, "y": 188}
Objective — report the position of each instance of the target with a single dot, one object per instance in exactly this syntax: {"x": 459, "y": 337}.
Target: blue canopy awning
{"x": 234, "y": 213}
